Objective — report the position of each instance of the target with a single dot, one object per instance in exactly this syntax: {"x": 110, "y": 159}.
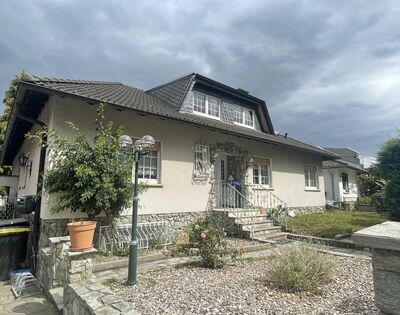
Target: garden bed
{"x": 240, "y": 288}
{"x": 331, "y": 223}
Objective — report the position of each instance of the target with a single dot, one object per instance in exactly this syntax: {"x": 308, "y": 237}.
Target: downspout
{"x": 333, "y": 184}
{"x": 36, "y": 218}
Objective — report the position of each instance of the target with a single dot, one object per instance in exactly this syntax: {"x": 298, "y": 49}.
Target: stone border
{"x": 115, "y": 264}
{"x": 324, "y": 241}
{"x": 90, "y": 298}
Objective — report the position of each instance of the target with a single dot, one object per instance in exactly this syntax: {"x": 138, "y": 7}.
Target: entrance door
{"x": 221, "y": 169}
{"x": 223, "y": 192}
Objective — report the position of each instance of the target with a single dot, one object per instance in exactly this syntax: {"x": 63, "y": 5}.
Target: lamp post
{"x": 139, "y": 149}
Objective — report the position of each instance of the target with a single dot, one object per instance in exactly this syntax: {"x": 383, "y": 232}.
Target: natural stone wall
{"x": 307, "y": 210}
{"x": 384, "y": 240}
{"x": 176, "y": 221}
{"x": 223, "y": 220}
{"x": 89, "y": 297}
{"x": 386, "y": 273}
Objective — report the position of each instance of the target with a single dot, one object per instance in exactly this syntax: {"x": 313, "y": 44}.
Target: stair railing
{"x": 228, "y": 198}
{"x": 262, "y": 198}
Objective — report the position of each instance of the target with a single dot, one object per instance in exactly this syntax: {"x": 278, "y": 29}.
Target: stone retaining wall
{"x": 89, "y": 298}
{"x": 58, "y": 227}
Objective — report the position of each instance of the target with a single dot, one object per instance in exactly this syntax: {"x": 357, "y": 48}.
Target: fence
{"x": 8, "y": 208}
{"x": 150, "y": 234}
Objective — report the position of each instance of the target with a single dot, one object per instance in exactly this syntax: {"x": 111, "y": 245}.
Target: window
{"x": 248, "y": 118}
{"x": 206, "y": 105}
{"x": 345, "y": 182}
{"x": 238, "y": 115}
{"x": 261, "y": 171}
{"x": 149, "y": 166}
{"x": 243, "y": 116}
{"x": 201, "y": 160}
{"x": 310, "y": 176}
{"x": 199, "y": 103}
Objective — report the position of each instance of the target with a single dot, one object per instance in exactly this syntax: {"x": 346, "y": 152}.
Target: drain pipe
{"x": 36, "y": 218}
{"x": 333, "y": 184}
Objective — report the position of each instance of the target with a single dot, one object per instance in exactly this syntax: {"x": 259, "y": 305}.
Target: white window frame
{"x": 150, "y": 181}
{"x": 267, "y": 163}
{"x": 206, "y": 114}
{"x": 308, "y": 169}
{"x": 243, "y": 111}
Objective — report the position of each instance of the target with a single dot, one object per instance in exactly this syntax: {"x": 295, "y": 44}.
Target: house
{"x": 340, "y": 177}
{"x": 216, "y": 148}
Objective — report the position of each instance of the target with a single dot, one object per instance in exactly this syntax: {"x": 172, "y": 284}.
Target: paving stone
{"x": 110, "y": 299}
{"x": 122, "y": 306}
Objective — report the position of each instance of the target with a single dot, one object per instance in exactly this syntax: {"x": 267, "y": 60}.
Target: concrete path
{"x": 32, "y": 305}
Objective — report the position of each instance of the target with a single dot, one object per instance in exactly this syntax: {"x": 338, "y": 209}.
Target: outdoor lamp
{"x": 125, "y": 143}
{"x": 140, "y": 148}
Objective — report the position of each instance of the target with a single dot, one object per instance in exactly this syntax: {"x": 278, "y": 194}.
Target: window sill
{"x": 150, "y": 184}
{"x": 243, "y": 125}
{"x": 206, "y": 115}
{"x": 312, "y": 189}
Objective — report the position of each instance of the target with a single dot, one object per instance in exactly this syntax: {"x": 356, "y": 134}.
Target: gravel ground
{"x": 238, "y": 288}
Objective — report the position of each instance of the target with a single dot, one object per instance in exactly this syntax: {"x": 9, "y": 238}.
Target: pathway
{"x": 32, "y": 305}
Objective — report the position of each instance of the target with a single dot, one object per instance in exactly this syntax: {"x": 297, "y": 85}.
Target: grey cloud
{"x": 326, "y": 69}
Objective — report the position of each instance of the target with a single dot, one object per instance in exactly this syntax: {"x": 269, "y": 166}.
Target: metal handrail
{"x": 262, "y": 197}
{"x": 229, "y": 198}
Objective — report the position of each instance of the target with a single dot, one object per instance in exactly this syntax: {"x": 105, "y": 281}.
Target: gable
{"x": 179, "y": 95}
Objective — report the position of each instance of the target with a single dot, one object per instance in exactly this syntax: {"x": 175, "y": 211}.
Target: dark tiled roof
{"x": 130, "y": 97}
{"x": 173, "y": 92}
{"x": 341, "y": 163}
{"x": 333, "y": 163}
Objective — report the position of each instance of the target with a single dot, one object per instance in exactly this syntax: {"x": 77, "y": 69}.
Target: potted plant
{"x": 91, "y": 177}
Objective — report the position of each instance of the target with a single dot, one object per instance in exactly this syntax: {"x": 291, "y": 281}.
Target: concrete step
{"x": 57, "y": 297}
{"x": 255, "y": 220}
{"x": 263, "y": 232}
{"x": 271, "y": 238}
{"x": 261, "y": 227}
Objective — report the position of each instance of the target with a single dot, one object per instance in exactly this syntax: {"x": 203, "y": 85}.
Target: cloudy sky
{"x": 328, "y": 70}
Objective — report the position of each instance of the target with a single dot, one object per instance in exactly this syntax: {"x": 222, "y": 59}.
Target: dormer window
{"x": 243, "y": 116}
{"x": 206, "y": 105}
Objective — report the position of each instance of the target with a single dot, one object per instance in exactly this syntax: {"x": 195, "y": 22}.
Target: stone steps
{"x": 271, "y": 238}
{"x": 260, "y": 227}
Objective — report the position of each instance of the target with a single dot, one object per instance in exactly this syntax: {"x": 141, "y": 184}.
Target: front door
{"x": 221, "y": 169}
{"x": 224, "y": 193}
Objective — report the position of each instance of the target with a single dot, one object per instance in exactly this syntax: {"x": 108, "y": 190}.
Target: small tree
{"x": 389, "y": 168}
{"x": 91, "y": 178}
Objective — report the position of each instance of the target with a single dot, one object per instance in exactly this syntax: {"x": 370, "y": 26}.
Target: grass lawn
{"x": 331, "y": 223}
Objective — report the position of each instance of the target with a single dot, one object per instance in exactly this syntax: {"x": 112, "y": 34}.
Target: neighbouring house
{"x": 340, "y": 177}
{"x": 216, "y": 149}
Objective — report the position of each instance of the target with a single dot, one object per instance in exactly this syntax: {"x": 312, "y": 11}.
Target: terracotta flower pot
{"x": 81, "y": 233}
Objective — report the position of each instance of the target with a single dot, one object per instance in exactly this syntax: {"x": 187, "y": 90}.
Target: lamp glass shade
{"x": 125, "y": 142}
{"x": 147, "y": 142}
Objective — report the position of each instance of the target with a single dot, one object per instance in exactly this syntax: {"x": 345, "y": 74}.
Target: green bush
{"x": 209, "y": 239}
{"x": 389, "y": 168}
{"x": 300, "y": 269}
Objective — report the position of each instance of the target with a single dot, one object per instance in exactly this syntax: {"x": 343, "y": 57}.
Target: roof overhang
{"x": 26, "y": 108}
{"x": 31, "y": 99}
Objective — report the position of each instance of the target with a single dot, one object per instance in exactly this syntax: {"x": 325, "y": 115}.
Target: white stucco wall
{"x": 339, "y": 194}
{"x": 27, "y": 182}
{"x": 177, "y": 192}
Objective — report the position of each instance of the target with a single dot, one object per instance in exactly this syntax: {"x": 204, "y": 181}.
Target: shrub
{"x": 209, "y": 239}
{"x": 300, "y": 268}
{"x": 181, "y": 243}
{"x": 85, "y": 175}
{"x": 388, "y": 167}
